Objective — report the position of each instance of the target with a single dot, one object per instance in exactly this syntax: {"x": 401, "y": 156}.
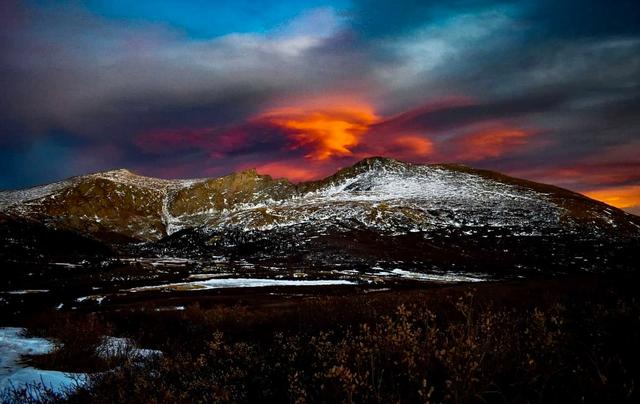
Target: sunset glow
{"x": 415, "y": 145}
{"x": 623, "y": 197}
{"x": 329, "y": 132}
{"x": 490, "y": 143}
{"x": 289, "y": 171}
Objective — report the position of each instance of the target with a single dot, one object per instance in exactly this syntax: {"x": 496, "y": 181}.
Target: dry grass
{"x": 472, "y": 353}
{"x": 495, "y": 344}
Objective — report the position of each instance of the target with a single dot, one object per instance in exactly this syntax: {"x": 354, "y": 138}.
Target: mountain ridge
{"x": 376, "y": 192}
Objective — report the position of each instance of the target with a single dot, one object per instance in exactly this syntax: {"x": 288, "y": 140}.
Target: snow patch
{"x": 112, "y": 347}
{"x": 240, "y": 283}
{"x": 449, "y": 277}
{"x": 26, "y": 291}
{"x": 15, "y": 374}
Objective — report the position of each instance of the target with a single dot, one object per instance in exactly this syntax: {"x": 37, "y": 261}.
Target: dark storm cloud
{"x": 585, "y": 18}
{"x": 49, "y": 158}
{"x": 376, "y": 19}
{"x": 553, "y": 18}
{"x": 446, "y": 117}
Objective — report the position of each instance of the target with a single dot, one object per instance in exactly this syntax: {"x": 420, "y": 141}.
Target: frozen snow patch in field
{"x": 25, "y": 291}
{"x": 158, "y": 261}
{"x": 14, "y": 374}
{"x": 93, "y": 298}
{"x": 170, "y": 308}
{"x": 66, "y": 264}
{"x": 452, "y": 277}
{"x": 117, "y": 346}
{"x": 241, "y": 283}
{"x": 208, "y": 276}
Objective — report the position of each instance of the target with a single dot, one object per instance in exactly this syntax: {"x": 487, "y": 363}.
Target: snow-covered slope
{"x": 393, "y": 196}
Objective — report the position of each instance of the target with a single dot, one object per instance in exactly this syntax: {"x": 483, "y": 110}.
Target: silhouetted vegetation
{"x": 556, "y": 341}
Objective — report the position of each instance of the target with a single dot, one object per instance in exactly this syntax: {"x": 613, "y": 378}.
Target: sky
{"x": 547, "y": 90}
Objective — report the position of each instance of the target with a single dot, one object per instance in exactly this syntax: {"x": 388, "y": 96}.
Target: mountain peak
{"x": 249, "y": 172}
{"x": 128, "y": 177}
{"x": 365, "y": 165}
{"x": 123, "y": 171}
{"x": 118, "y": 172}
{"x": 378, "y": 162}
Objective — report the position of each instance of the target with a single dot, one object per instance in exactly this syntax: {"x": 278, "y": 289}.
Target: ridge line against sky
{"x": 544, "y": 90}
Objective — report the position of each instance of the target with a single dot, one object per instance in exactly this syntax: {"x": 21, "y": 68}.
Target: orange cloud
{"x": 414, "y": 145}
{"x": 289, "y": 171}
{"x": 329, "y": 131}
{"x": 490, "y": 143}
{"x": 623, "y": 197}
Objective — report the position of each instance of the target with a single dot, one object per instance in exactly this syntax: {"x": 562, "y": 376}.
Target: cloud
{"x": 377, "y": 19}
{"x": 250, "y": 137}
{"x": 624, "y": 197}
{"x": 416, "y": 146}
{"x": 72, "y": 70}
{"x": 489, "y": 143}
{"x": 584, "y": 18}
{"x": 606, "y": 167}
{"x": 291, "y": 171}
{"x": 551, "y": 18}
{"x": 327, "y": 131}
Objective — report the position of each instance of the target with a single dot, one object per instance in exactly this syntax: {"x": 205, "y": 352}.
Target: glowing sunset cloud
{"x": 623, "y": 197}
{"x": 415, "y": 145}
{"x": 284, "y": 170}
{"x": 331, "y": 131}
{"x": 490, "y": 143}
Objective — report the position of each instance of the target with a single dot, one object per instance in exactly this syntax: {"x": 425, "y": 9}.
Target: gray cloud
{"x": 81, "y": 72}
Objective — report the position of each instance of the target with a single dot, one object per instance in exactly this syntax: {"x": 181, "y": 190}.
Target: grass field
{"x": 562, "y": 340}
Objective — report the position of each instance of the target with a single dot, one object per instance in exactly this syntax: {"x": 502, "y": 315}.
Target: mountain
{"x": 378, "y": 210}
{"x": 376, "y": 193}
